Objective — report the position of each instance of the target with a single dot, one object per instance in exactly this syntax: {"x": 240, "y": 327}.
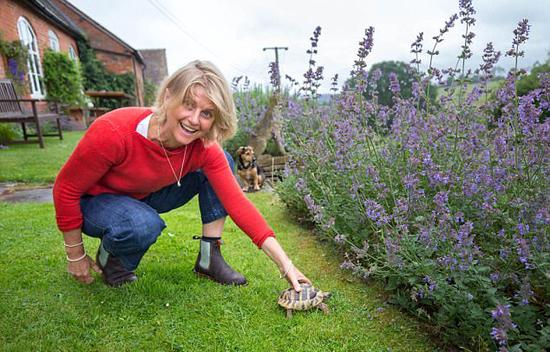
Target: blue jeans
{"x": 128, "y": 226}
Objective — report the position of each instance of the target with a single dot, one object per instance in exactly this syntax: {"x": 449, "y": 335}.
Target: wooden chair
{"x": 11, "y": 111}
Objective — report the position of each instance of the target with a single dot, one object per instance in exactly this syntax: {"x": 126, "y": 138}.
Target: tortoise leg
{"x": 324, "y": 308}
{"x": 289, "y": 313}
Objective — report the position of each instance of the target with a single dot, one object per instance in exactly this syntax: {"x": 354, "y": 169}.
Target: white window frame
{"x": 72, "y": 53}
{"x": 54, "y": 41}
{"x": 34, "y": 67}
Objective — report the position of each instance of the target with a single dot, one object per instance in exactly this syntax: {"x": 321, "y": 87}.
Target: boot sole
{"x": 199, "y": 274}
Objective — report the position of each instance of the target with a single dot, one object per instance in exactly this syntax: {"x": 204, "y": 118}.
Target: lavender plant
{"x": 250, "y": 105}
{"x": 447, "y": 205}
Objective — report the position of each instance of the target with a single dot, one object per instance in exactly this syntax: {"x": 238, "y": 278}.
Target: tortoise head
{"x": 326, "y": 295}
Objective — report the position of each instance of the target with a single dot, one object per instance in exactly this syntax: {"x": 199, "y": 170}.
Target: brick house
{"x": 40, "y": 26}
{"x": 117, "y": 56}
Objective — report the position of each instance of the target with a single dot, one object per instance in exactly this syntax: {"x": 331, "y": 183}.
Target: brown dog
{"x": 248, "y": 169}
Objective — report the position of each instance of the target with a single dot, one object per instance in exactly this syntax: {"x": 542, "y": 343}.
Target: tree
{"x": 405, "y": 75}
{"x": 531, "y": 81}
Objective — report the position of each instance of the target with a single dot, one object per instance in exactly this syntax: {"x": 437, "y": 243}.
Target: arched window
{"x": 28, "y": 38}
{"x": 72, "y": 53}
{"x": 54, "y": 41}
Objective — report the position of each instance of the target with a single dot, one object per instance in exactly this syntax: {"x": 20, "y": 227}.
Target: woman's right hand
{"x": 78, "y": 262}
{"x": 80, "y": 270}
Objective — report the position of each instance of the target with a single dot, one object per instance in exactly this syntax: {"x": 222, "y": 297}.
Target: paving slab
{"x": 14, "y": 192}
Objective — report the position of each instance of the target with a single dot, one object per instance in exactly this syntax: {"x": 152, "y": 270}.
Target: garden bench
{"x": 11, "y": 111}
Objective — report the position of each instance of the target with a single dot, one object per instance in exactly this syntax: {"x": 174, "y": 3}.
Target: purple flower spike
{"x": 521, "y": 34}
{"x": 394, "y": 83}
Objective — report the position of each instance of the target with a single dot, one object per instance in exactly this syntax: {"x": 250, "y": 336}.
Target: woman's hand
{"x": 80, "y": 270}
{"x": 295, "y": 277}
{"x": 79, "y": 263}
{"x": 274, "y": 251}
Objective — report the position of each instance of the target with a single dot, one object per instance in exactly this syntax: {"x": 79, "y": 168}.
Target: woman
{"x": 135, "y": 163}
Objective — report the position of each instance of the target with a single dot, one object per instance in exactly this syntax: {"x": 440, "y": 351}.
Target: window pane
{"x": 72, "y": 53}
{"x": 28, "y": 38}
{"x": 54, "y": 41}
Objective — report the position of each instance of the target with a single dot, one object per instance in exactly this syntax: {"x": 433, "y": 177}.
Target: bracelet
{"x": 287, "y": 270}
{"x": 77, "y": 259}
{"x": 73, "y": 245}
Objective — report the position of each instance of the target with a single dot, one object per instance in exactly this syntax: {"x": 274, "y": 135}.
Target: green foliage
{"x": 8, "y": 132}
{"x": 150, "y": 93}
{"x": 406, "y": 76}
{"x": 62, "y": 78}
{"x": 96, "y": 77}
{"x": 531, "y": 81}
{"x": 16, "y": 55}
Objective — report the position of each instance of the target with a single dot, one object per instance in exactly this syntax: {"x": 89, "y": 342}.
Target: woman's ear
{"x": 167, "y": 95}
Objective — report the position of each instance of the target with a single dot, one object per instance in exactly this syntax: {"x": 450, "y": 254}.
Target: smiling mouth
{"x": 187, "y": 129}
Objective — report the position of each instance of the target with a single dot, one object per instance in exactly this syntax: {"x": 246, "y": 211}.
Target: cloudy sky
{"x": 233, "y": 33}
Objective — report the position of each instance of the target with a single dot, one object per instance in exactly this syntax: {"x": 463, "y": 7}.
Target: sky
{"x": 232, "y": 34}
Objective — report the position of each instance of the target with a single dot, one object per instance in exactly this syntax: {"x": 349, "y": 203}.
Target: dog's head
{"x": 246, "y": 154}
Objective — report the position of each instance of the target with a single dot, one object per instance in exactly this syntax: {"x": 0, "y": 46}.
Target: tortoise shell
{"x": 310, "y": 297}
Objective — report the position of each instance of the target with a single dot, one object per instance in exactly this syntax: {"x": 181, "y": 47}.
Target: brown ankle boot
{"x": 113, "y": 272}
{"x": 211, "y": 264}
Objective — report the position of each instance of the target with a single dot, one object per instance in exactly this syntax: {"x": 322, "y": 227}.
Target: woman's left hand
{"x": 291, "y": 273}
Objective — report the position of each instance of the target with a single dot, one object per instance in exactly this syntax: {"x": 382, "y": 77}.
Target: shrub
{"x": 8, "y": 132}
{"x": 445, "y": 205}
{"x": 62, "y": 78}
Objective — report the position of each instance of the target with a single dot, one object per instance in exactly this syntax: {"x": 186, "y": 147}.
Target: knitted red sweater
{"x": 113, "y": 158}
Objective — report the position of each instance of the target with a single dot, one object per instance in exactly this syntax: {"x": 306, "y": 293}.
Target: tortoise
{"x": 309, "y": 298}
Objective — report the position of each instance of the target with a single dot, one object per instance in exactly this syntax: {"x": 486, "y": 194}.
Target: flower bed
{"x": 447, "y": 203}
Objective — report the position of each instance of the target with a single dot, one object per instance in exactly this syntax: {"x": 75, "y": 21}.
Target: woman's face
{"x": 188, "y": 121}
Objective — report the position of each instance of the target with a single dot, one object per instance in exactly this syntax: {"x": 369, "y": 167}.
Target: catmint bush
{"x": 448, "y": 204}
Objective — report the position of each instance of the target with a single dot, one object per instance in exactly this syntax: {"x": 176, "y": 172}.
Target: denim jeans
{"x": 128, "y": 226}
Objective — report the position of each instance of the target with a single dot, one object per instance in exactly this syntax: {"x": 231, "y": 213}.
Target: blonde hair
{"x": 181, "y": 85}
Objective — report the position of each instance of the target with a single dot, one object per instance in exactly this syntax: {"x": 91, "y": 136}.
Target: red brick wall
{"x": 116, "y": 63}
{"x": 12, "y": 10}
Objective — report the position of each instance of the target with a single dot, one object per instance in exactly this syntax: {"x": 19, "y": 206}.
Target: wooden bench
{"x": 11, "y": 111}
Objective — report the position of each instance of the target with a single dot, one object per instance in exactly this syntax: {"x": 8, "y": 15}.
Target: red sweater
{"x": 113, "y": 158}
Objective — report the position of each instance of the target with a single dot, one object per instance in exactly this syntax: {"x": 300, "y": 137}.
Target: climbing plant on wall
{"x": 15, "y": 60}
{"x": 96, "y": 77}
{"x": 62, "y": 78}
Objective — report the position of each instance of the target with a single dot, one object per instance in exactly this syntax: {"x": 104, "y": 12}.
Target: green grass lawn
{"x": 170, "y": 309}
{"x": 30, "y": 164}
